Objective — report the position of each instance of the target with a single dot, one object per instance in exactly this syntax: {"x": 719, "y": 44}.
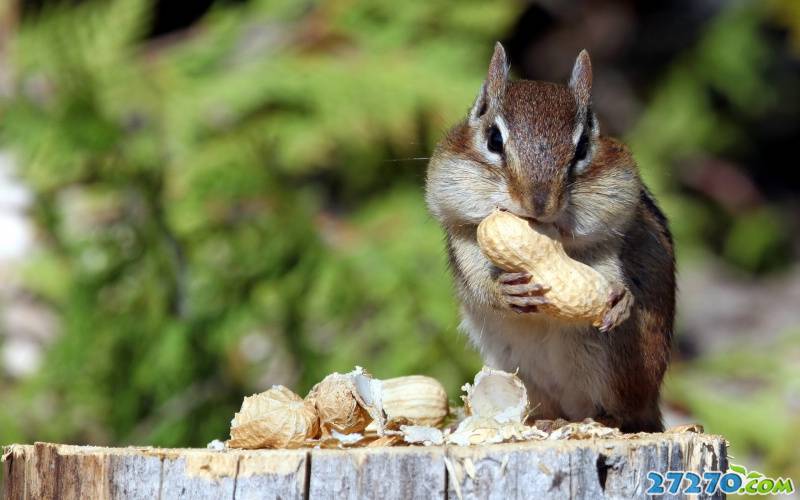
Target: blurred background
{"x": 201, "y": 199}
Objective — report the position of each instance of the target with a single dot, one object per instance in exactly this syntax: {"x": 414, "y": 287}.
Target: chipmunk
{"x": 534, "y": 148}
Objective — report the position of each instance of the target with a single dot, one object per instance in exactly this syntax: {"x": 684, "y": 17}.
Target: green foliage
{"x": 744, "y": 395}
{"x": 681, "y": 122}
{"x": 756, "y": 239}
{"x": 225, "y": 212}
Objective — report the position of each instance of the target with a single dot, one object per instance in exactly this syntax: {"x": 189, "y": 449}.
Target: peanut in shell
{"x": 576, "y": 291}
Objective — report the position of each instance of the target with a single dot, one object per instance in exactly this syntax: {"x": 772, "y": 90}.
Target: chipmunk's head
{"x": 525, "y": 146}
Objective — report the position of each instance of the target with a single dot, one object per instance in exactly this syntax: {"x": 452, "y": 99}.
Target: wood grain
{"x": 385, "y": 473}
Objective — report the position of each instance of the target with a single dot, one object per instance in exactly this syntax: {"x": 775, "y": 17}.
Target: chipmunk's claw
{"x": 520, "y": 294}
{"x": 618, "y": 309}
{"x": 514, "y": 278}
{"x": 524, "y": 309}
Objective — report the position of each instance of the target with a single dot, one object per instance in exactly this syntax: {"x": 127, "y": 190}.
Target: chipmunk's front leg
{"x": 482, "y": 283}
{"x": 618, "y": 308}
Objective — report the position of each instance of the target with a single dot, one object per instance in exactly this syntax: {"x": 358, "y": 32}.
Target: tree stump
{"x": 591, "y": 469}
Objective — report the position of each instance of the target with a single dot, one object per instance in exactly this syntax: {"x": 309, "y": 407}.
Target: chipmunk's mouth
{"x": 532, "y": 220}
{"x": 551, "y": 227}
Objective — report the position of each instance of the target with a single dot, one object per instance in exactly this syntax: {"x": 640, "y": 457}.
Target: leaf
{"x": 740, "y": 469}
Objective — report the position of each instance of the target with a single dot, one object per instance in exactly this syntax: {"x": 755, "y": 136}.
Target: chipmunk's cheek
{"x": 564, "y": 225}
{"x": 501, "y": 200}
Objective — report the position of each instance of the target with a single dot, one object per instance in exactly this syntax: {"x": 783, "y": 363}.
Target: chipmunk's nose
{"x": 540, "y": 201}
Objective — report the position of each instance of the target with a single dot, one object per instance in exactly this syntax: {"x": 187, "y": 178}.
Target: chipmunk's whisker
{"x": 416, "y": 158}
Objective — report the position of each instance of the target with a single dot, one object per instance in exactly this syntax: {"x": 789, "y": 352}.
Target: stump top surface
{"x": 630, "y": 440}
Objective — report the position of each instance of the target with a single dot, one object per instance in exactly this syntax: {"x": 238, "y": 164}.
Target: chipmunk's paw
{"x": 618, "y": 309}
{"x": 520, "y": 294}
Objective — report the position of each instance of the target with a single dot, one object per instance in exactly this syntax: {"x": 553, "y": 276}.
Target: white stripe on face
{"x": 481, "y": 141}
{"x": 501, "y": 124}
{"x": 578, "y": 130}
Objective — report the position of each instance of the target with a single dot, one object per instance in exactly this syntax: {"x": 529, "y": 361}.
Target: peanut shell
{"x": 277, "y": 418}
{"x": 577, "y": 291}
{"x": 336, "y": 403}
{"x": 415, "y": 400}
{"x": 497, "y": 395}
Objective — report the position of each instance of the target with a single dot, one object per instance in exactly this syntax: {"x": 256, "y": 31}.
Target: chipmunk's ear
{"x": 494, "y": 87}
{"x": 581, "y": 81}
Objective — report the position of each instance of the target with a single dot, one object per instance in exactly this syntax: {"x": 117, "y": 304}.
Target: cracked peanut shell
{"x": 340, "y": 409}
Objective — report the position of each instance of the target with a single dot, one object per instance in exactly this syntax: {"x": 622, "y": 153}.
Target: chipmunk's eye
{"x": 582, "y": 149}
{"x": 494, "y": 140}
